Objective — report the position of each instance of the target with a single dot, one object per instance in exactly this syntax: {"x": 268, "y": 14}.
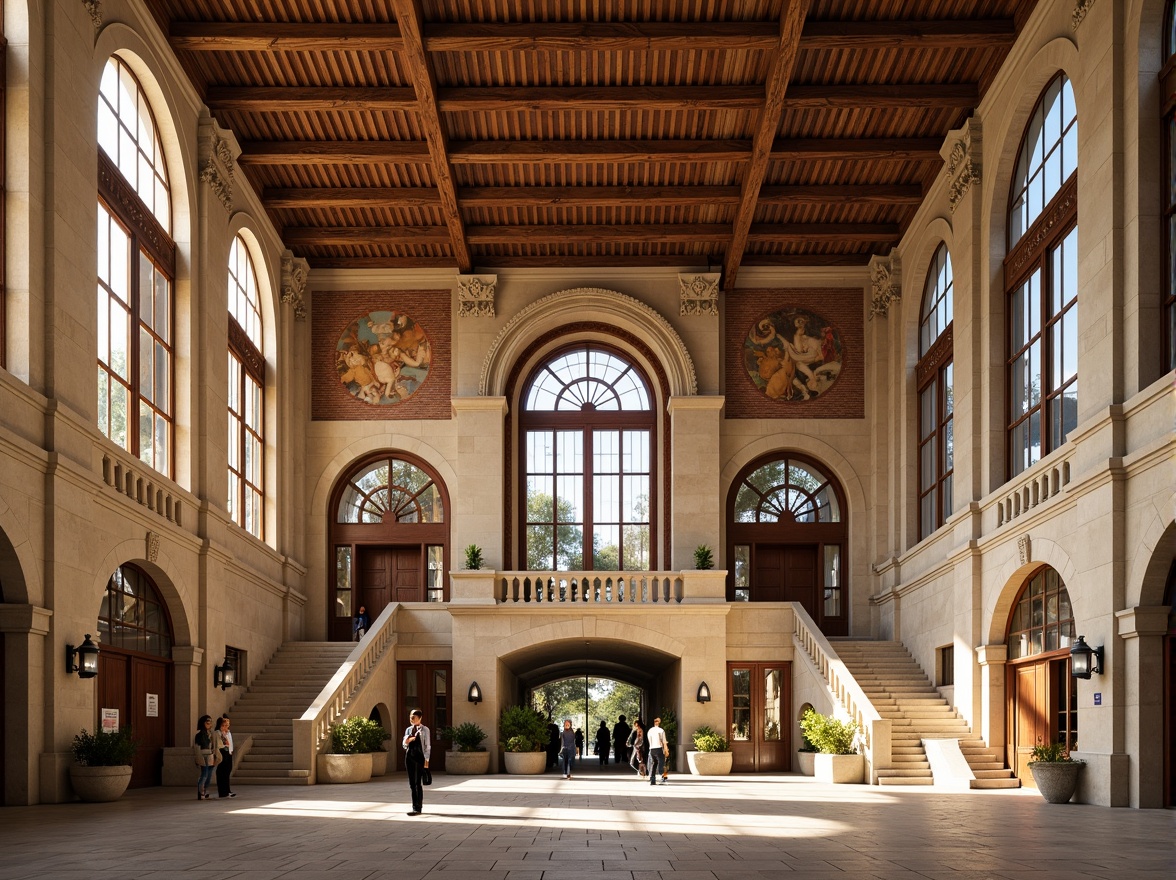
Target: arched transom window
{"x": 133, "y": 616}
{"x": 246, "y": 393}
{"x": 786, "y": 490}
{"x": 1042, "y": 620}
{"x": 391, "y": 490}
{"x": 936, "y": 397}
{"x": 587, "y": 431}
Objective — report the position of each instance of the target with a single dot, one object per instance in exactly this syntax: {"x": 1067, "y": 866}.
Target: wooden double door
{"x": 759, "y": 713}
{"x": 140, "y": 688}
{"x": 384, "y": 573}
{"x": 1042, "y": 709}
{"x": 424, "y": 686}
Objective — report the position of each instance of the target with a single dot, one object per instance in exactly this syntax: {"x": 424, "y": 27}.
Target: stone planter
{"x": 1056, "y": 780}
{"x": 338, "y": 769}
{"x": 467, "y": 763}
{"x": 525, "y": 763}
{"x": 839, "y": 768}
{"x": 379, "y": 763}
{"x": 710, "y": 763}
{"x": 805, "y": 762}
{"x": 100, "y": 784}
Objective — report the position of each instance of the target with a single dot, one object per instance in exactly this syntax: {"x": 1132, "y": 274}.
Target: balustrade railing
{"x": 141, "y": 484}
{"x": 589, "y": 587}
{"x": 1035, "y": 487}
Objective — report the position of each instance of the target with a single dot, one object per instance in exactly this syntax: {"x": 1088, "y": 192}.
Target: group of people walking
{"x": 644, "y": 749}
{"x": 212, "y": 749}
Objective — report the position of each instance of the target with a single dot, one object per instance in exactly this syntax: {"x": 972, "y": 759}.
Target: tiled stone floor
{"x": 596, "y": 826}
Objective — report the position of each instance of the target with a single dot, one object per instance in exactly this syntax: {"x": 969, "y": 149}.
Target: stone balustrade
{"x": 577, "y": 589}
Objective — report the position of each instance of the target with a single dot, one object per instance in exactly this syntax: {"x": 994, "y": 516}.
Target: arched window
{"x": 133, "y": 617}
{"x": 786, "y": 532}
{"x": 136, "y": 272}
{"x": 936, "y": 403}
{"x": 246, "y": 396}
{"x": 390, "y": 538}
{"x": 1168, "y": 96}
{"x": 587, "y": 429}
{"x": 1041, "y": 281}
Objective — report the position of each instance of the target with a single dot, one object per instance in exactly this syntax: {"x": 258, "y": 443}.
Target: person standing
{"x": 655, "y": 741}
{"x": 206, "y": 756}
{"x": 620, "y": 735}
{"x": 603, "y": 742}
{"x": 361, "y": 625}
{"x": 223, "y": 743}
{"x": 636, "y": 745}
{"x": 567, "y": 747}
{"x": 418, "y": 747}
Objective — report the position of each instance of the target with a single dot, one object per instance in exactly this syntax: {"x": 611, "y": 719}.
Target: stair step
{"x": 904, "y": 780}
{"x": 996, "y": 783}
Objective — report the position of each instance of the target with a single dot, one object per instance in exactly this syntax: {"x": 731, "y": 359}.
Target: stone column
{"x": 1142, "y": 630}
{"x": 696, "y": 514}
{"x": 24, "y": 628}
{"x": 992, "y": 660}
{"x": 187, "y": 660}
{"x": 477, "y": 498}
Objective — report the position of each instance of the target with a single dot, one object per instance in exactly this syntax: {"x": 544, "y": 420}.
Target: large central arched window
{"x": 587, "y": 429}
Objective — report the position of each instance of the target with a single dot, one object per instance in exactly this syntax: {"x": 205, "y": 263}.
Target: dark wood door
{"x": 424, "y": 686}
{"x": 1028, "y": 715}
{"x": 140, "y": 688}
{"x": 786, "y": 573}
{"x": 389, "y": 574}
{"x": 758, "y": 713}
{"x": 1170, "y": 720}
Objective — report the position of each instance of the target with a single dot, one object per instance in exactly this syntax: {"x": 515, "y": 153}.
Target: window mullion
{"x": 589, "y": 515}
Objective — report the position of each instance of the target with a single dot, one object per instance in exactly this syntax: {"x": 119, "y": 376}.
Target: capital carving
{"x": 94, "y": 8}
{"x": 698, "y": 293}
{"x": 475, "y": 296}
{"x": 961, "y": 155}
{"x": 217, "y": 163}
{"x": 1080, "y": 9}
{"x": 886, "y": 283}
{"x": 1024, "y": 550}
{"x": 153, "y": 546}
{"x": 294, "y": 273}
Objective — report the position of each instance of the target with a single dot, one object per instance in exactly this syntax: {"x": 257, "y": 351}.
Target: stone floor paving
{"x": 596, "y": 826}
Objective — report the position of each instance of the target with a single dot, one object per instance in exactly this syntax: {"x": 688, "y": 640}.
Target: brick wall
{"x": 842, "y": 308}
{"x": 333, "y": 312}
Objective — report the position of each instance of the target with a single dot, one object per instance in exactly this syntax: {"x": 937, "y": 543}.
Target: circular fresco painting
{"x": 383, "y": 358}
{"x": 793, "y": 354}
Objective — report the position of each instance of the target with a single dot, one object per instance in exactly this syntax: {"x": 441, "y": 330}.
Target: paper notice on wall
{"x": 110, "y": 720}
{"x": 153, "y": 705}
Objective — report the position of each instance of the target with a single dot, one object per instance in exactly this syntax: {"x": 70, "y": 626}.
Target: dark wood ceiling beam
{"x": 352, "y": 197}
{"x": 598, "y": 36}
{"x": 334, "y": 153}
{"x": 594, "y": 196}
{"x": 283, "y": 99}
{"x": 779, "y": 75}
{"x": 416, "y": 58}
{"x": 241, "y": 36}
{"x": 824, "y": 233}
{"x": 553, "y": 152}
{"x": 597, "y": 98}
{"x": 901, "y": 149}
{"x": 669, "y": 233}
{"x": 953, "y": 34}
{"x": 822, "y": 194}
{"x": 363, "y": 236}
{"x": 507, "y": 261}
{"x": 929, "y": 96}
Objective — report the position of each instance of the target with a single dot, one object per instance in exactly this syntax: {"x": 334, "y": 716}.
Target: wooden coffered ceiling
{"x": 478, "y": 134}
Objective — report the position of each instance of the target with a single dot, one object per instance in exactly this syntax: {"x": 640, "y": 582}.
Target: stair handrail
{"x": 846, "y": 692}
{"x": 313, "y": 729}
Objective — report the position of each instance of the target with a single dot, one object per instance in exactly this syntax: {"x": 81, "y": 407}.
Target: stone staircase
{"x": 902, "y": 693}
{"x": 286, "y": 687}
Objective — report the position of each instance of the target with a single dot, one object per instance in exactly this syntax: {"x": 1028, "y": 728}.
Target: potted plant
{"x": 523, "y": 733}
{"x": 373, "y": 736}
{"x": 1054, "y": 772}
{"x": 712, "y": 755}
{"x": 836, "y": 759}
{"x": 806, "y": 756}
{"x": 102, "y": 764}
{"x": 473, "y": 557}
{"x": 347, "y": 761}
{"x": 467, "y": 757}
{"x": 704, "y": 560}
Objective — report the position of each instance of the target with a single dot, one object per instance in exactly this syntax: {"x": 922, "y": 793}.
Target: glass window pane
{"x": 741, "y": 704}
{"x": 569, "y": 548}
{"x": 606, "y": 554}
{"x": 772, "y": 706}
{"x": 540, "y": 548}
{"x": 635, "y": 550}
{"x": 742, "y": 565}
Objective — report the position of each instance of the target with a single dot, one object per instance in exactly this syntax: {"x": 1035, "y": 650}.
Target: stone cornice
{"x": 699, "y": 293}
{"x": 294, "y": 273}
{"x": 217, "y": 160}
{"x": 962, "y": 160}
{"x": 885, "y": 283}
{"x": 475, "y": 295}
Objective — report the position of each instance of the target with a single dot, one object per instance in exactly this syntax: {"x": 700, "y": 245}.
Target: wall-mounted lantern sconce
{"x": 475, "y": 693}
{"x": 1085, "y": 660}
{"x": 224, "y": 677}
{"x": 83, "y": 659}
{"x": 703, "y": 693}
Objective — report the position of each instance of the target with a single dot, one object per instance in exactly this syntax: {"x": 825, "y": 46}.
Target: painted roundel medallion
{"x": 793, "y": 354}
{"x": 383, "y": 358}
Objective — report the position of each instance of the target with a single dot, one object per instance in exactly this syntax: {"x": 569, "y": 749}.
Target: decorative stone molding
{"x": 699, "y": 293}
{"x": 1024, "y": 550}
{"x": 1080, "y": 9}
{"x": 961, "y": 155}
{"x": 217, "y": 165}
{"x": 94, "y": 7}
{"x": 475, "y": 295}
{"x": 294, "y": 272}
{"x": 153, "y": 546}
{"x": 886, "y": 283}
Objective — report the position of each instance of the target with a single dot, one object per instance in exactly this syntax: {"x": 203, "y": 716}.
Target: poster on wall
{"x": 153, "y": 705}
{"x": 110, "y": 720}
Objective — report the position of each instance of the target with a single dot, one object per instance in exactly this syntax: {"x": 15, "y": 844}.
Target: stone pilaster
{"x": 25, "y": 628}
{"x": 699, "y": 293}
{"x": 480, "y": 425}
{"x": 885, "y": 283}
{"x": 294, "y": 274}
{"x": 475, "y": 296}
{"x": 218, "y": 154}
{"x": 961, "y": 153}
{"x": 696, "y": 515}
{"x": 1142, "y": 630}
{"x": 992, "y": 660}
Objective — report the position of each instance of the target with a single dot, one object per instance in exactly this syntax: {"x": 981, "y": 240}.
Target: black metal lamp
{"x": 224, "y": 676}
{"x": 475, "y": 693}
{"x": 704, "y": 693}
{"x": 83, "y": 659}
{"x": 1085, "y": 660}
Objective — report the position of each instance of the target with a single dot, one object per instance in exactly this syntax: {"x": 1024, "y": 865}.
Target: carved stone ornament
{"x": 961, "y": 152}
{"x": 699, "y": 294}
{"x": 216, "y": 162}
{"x": 1024, "y": 550}
{"x": 152, "y": 546}
{"x": 94, "y": 7}
{"x": 1080, "y": 9}
{"x": 475, "y": 296}
{"x": 886, "y": 283}
{"x": 294, "y": 272}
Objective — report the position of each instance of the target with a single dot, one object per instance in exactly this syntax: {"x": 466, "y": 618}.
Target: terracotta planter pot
{"x": 805, "y": 762}
{"x": 467, "y": 763}
{"x": 1057, "y": 781}
{"x": 379, "y": 763}
{"x": 100, "y": 784}
{"x": 710, "y": 763}
{"x": 525, "y": 763}
{"x": 341, "y": 769}
{"x": 839, "y": 768}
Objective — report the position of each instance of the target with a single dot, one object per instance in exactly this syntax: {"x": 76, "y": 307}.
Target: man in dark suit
{"x": 620, "y": 734}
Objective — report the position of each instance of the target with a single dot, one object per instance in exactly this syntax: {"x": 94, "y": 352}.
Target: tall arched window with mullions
{"x": 136, "y": 273}
{"x": 246, "y": 446}
{"x": 1041, "y": 281}
{"x": 586, "y": 428}
{"x": 936, "y": 403}
{"x": 1168, "y": 97}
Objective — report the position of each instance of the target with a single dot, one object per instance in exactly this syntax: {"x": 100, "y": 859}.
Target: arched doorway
{"x": 1042, "y": 695}
{"x": 135, "y": 674}
{"x": 786, "y": 539}
{"x": 389, "y": 539}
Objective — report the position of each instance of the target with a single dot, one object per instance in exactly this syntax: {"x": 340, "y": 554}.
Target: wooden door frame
{"x": 400, "y": 709}
{"x": 758, "y": 667}
{"x": 1047, "y": 661}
